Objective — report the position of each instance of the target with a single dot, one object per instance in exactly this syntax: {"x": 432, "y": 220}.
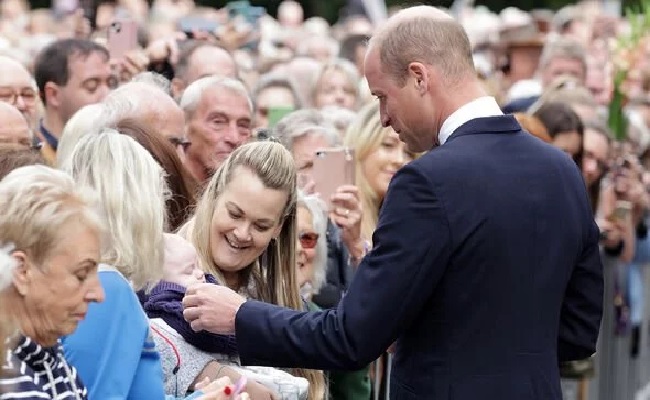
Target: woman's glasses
{"x": 308, "y": 240}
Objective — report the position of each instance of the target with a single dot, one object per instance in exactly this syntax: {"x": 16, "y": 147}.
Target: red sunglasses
{"x": 308, "y": 240}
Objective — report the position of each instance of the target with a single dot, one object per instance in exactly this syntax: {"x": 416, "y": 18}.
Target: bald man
{"x": 18, "y": 88}
{"x": 14, "y": 128}
{"x": 485, "y": 266}
{"x": 149, "y": 104}
{"x": 201, "y": 60}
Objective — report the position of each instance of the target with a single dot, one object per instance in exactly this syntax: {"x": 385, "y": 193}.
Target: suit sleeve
{"x": 582, "y": 308}
{"x": 389, "y": 291}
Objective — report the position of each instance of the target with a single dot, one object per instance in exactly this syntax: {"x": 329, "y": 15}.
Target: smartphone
{"x": 244, "y": 9}
{"x": 277, "y": 113}
{"x": 622, "y": 210}
{"x": 122, "y": 38}
{"x": 333, "y": 168}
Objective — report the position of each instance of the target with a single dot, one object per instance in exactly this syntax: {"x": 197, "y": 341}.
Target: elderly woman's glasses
{"x": 308, "y": 240}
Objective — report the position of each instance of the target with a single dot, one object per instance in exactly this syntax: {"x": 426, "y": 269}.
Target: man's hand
{"x": 212, "y": 308}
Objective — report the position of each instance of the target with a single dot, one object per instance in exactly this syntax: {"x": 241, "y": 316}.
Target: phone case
{"x": 333, "y": 168}
{"x": 122, "y": 38}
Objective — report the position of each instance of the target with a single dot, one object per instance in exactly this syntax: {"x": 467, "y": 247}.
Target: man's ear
{"x": 419, "y": 76}
{"x": 52, "y": 92}
{"x": 22, "y": 275}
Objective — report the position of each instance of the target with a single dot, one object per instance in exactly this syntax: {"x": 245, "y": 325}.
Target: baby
{"x": 183, "y": 362}
{"x": 181, "y": 270}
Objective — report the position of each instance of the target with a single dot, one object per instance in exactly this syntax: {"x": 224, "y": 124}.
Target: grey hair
{"x": 318, "y": 210}
{"x": 303, "y": 122}
{"x": 340, "y": 117}
{"x": 131, "y": 99}
{"x": 132, "y": 188}
{"x": 563, "y": 48}
{"x": 154, "y": 79}
{"x": 193, "y": 94}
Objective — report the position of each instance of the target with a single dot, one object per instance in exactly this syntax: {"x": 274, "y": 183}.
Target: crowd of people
{"x": 190, "y": 158}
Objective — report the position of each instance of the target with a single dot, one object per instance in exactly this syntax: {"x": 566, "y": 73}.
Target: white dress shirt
{"x": 482, "y": 107}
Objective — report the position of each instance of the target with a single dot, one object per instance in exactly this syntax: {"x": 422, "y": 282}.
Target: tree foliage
{"x": 331, "y": 9}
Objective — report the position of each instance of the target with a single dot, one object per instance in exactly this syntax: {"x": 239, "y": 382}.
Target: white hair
{"x": 37, "y": 203}
{"x": 193, "y": 94}
{"x": 340, "y": 117}
{"x": 83, "y": 122}
{"x": 134, "y": 99}
{"x": 302, "y": 122}
{"x": 7, "y": 265}
{"x": 132, "y": 189}
{"x": 317, "y": 208}
{"x": 155, "y": 80}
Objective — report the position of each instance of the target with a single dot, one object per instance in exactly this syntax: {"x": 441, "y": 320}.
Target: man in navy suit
{"x": 485, "y": 268}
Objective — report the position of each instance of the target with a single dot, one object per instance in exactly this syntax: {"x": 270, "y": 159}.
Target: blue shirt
{"x": 112, "y": 349}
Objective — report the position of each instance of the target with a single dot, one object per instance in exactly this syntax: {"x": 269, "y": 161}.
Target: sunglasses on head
{"x": 308, "y": 240}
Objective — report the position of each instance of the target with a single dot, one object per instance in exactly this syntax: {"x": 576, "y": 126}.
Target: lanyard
{"x": 49, "y": 138}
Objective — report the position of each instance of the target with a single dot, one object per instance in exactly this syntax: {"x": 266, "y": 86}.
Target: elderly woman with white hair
{"x": 311, "y": 246}
{"x": 50, "y": 280}
{"x": 311, "y": 267}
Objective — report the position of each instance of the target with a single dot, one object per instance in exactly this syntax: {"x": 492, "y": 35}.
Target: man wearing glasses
{"x": 17, "y": 88}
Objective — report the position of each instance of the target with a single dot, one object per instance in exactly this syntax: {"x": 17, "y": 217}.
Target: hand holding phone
{"x": 333, "y": 168}
{"x": 122, "y": 38}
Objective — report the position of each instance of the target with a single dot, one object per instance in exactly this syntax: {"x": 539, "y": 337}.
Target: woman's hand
{"x": 132, "y": 64}
{"x": 164, "y": 49}
{"x": 346, "y": 213}
{"x": 219, "y": 389}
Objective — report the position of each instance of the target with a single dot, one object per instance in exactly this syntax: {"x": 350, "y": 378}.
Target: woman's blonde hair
{"x": 273, "y": 273}
{"x": 132, "y": 189}
{"x": 365, "y": 135}
{"x": 349, "y": 70}
{"x": 82, "y": 123}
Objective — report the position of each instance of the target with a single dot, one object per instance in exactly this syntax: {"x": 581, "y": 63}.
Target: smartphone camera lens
{"x": 116, "y": 26}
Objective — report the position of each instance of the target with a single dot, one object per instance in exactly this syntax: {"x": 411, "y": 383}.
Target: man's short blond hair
{"x": 425, "y": 34}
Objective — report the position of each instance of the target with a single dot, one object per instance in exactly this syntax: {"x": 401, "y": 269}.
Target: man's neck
{"x": 463, "y": 94}
{"x": 30, "y": 325}
{"x": 53, "y": 124}
{"x": 197, "y": 169}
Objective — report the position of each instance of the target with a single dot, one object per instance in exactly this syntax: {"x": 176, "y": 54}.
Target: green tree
{"x": 331, "y": 9}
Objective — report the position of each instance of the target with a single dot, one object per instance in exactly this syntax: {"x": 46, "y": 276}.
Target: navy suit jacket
{"x": 485, "y": 269}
